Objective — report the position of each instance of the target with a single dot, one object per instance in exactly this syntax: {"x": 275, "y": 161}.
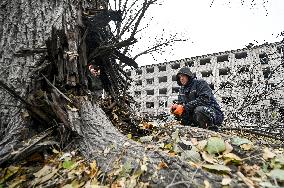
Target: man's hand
{"x": 177, "y": 109}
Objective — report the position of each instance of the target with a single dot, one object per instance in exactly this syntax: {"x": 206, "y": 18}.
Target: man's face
{"x": 183, "y": 79}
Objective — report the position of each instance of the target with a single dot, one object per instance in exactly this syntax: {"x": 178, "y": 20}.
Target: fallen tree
{"x": 45, "y": 99}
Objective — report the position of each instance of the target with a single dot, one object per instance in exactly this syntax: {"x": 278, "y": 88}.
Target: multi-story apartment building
{"x": 250, "y": 78}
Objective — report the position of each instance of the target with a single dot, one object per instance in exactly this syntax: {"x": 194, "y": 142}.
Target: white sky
{"x": 227, "y": 25}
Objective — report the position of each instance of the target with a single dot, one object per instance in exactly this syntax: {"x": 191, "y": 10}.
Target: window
{"x": 150, "y": 70}
{"x": 150, "y": 92}
{"x": 241, "y": 55}
{"x": 266, "y": 72}
{"x": 163, "y": 79}
{"x": 189, "y": 63}
{"x": 224, "y": 71}
{"x": 138, "y": 72}
{"x": 150, "y": 81}
{"x": 163, "y": 104}
{"x": 204, "y": 61}
{"x": 226, "y": 85}
{"x": 227, "y": 100}
{"x": 149, "y": 104}
{"x": 175, "y": 89}
{"x": 280, "y": 49}
{"x": 175, "y": 66}
{"x": 223, "y": 58}
{"x": 163, "y": 91}
{"x": 137, "y": 93}
{"x": 243, "y": 69}
{"x": 263, "y": 58}
{"x": 162, "y": 68}
{"x": 273, "y": 102}
{"x": 206, "y": 73}
{"x": 212, "y": 86}
{"x": 128, "y": 73}
{"x": 174, "y": 77}
{"x": 139, "y": 82}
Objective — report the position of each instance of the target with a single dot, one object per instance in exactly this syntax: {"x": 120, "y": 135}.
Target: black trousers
{"x": 202, "y": 117}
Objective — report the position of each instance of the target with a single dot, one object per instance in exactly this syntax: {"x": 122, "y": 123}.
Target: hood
{"x": 186, "y": 71}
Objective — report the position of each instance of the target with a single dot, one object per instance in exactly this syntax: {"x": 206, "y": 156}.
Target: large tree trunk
{"x": 44, "y": 38}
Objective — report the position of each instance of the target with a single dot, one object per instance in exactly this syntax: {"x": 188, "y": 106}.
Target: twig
{"x": 247, "y": 181}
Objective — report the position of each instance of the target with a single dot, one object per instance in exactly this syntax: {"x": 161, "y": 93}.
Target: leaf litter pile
{"x": 237, "y": 159}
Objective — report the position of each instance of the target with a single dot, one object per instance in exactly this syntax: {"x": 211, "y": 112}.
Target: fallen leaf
{"x": 207, "y": 184}
{"x": 68, "y": 164}
{"x": 226, "y": 180}
{"x": 162, "y": 165}
{"x": 146, "y": 139}
{"x": 217, "y": 167}
{"x": 194, "y": 141}
{"x": 229, "y": 147}
{"x": 246, "y": 147}
{"x": 208, "y": 158}
{"x": 201, "y": 145}
{"x": 215, "y": 145}
{"x": 191, "y": 155}
{"x": 278, "y": 174}
{"x": 267, "y": 154}
{"x": 239, "y": 141}
{"x": 231, "y": 157}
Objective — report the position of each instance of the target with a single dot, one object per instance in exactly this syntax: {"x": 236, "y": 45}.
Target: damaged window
{"x": 224, "y": 71}
{"x": 206, "y": 73}
{"x": 163, "y": 91}
{"x": 139, "y": 82}
{"x": 243, "y": 69}
{"x": 163, "y": 104}
{"x": 228, "y": 100}
{"x": 205, "y": 61}
{"x": 149, "y": 104}
{"x": 189, "y": 63}
{"x": 266, "y": 72}
{"x": 150, "y": 92}
{"x": 137, "y": 93}
{"x": 176, "y": 66}
{"x": 162, "y": 68}
{"x": 163, "y": 79}
{"x": 263, "y": 58}
{"x": 222, "y": 58}
{"x": 150, "y": 81}
{"x": 150, "y": 70}
{"x": 138, "y": 72}
{"x": 241, "y": 55}
{"x": 226, "y": 85}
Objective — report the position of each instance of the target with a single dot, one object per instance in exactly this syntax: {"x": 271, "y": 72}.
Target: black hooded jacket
{"x": 198, "y": 93}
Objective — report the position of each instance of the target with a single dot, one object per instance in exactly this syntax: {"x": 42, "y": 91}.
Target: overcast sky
{"x": 226, "y": 25}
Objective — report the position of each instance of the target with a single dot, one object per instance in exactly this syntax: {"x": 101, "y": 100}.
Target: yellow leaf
{"x": 129, "y": 136}
{"x": 246, "y": 147}
{"x": 232, "y": 157}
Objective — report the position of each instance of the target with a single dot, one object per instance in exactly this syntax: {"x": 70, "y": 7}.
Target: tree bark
{"x": 43, "y": 37}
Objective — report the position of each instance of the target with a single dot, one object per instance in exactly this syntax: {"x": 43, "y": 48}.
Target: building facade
{"x": 249, "y": 78}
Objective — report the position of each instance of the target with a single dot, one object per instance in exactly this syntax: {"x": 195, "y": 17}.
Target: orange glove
{"x": 179, "y": 110}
